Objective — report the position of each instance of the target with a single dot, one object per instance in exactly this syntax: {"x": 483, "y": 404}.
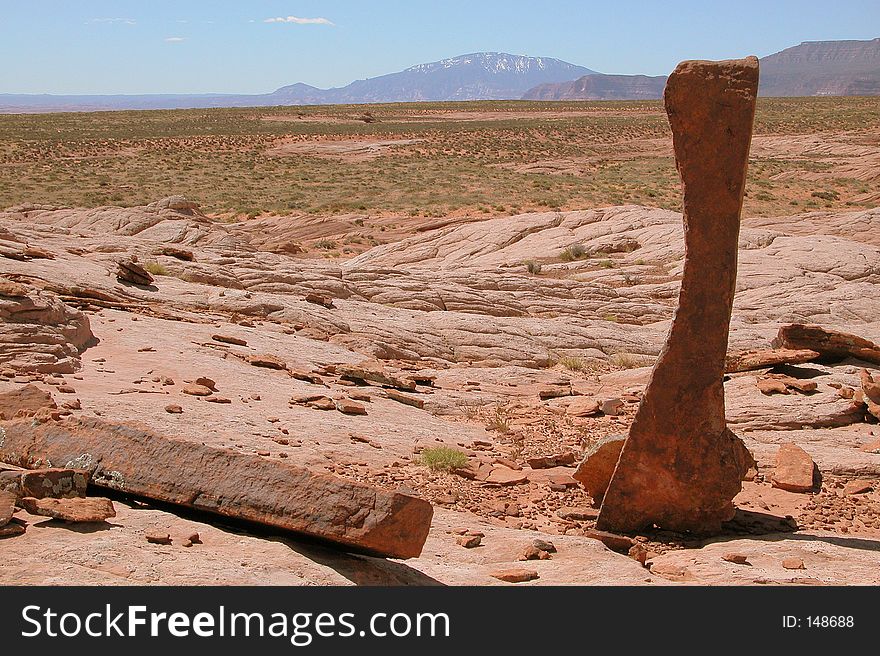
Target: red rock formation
{"x": 680, "y": 466}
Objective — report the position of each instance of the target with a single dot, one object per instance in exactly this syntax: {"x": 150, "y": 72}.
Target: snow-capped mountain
{"x": 477, "y": 76}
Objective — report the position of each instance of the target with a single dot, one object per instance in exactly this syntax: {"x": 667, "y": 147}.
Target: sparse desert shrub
{"x": 573, "y": 252}
{"x": 626, "y": 360}
{"x": 533, "y": 267}
{"x": 572, "y": 363}
{"x": 156, "y": 268}
{"x": 631, "y": 280}
{"x": 443, "y": 458}
{"x": 606, "y": 264}
{"x": 326, "y": 244}
{"x": 499, "y": 420}
{"x": 826, "y": 195}
{"x": 470, "y": 408}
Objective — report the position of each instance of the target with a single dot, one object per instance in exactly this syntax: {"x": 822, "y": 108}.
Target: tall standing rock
{"x": 680, "y": 466}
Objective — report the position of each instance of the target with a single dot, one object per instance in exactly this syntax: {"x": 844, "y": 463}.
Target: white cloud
{"x": 299, "y": 21}
{"x": 122, "y": 21}
{"x": 174, "y": 39}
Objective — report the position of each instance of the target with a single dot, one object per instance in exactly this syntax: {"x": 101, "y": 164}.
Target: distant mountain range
{"x": 812, "y": 68}
{"x": 478, "y": 76}
{"x": 823, "y": 68}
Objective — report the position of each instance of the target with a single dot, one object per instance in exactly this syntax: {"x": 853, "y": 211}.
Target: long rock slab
{"x": 680, "y": 466}
{"x": 829, "y": 343}
{"x": 353, "y": 515}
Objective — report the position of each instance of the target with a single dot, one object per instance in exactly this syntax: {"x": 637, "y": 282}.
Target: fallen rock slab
{"x": 13, "y": 528}
{"x": 502, "y": 475}
{"x": 770, "y": 386}
{"x": 132, "y": 272}
{"x": 318, "y": 299}
{"x": 764, "y": 358}
{"x": 349, "y": 407}
{"x": 158, "y": 538}
{"x": 196, "y": 390}
{"x": 795, "y": 469}
{"x": 556, "y": 460}
{"x": 368, "y": 373}
{"x": 618, "y": 543}
{"x": 267, "y": 361}
{"x": 76, "y": 510}
{"x": 406, "y": 399}
{"x": 858, "y": 487}
{"x": 829, "y": 343}
{"x": 353, "y": 515}
{"x": 229, "y": 339}
{"x": 515, "y": 575}
{"x": 178, "y": 253}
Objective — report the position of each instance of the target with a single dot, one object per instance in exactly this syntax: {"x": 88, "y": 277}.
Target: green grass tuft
{"x": 443, "y": 458}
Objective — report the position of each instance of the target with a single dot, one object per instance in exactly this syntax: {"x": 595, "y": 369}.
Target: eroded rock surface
{"x": 451, "y": 316}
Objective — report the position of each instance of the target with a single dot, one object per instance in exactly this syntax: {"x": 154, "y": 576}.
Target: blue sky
{"x": 154, "y": 46}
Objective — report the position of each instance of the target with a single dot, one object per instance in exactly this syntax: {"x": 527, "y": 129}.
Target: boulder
{"x": 597, "y": 467}
{"x": 7, "y": 507}
{"x": 870, "y": 393}
{"x": 25, "y": 402}
{"x": 53, "y": 482}
{"x": 583, "y": 406}
{"x": 795, "y": 469}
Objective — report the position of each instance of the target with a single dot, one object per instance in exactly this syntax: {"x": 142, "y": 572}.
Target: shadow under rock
{"x": 149, "y": 288}
{"x": 361, "y": 570}
{"x": 773, "y": 528}
{"x": 77, "y": 527}
{"x": 866, "y": 544}
{"x": 798, "y": 371}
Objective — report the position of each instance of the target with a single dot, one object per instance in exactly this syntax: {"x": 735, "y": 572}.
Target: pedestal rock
{"x": 681, "y": 466}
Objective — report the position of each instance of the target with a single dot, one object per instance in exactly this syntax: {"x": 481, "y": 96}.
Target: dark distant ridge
{"x": 813, "y": 68}
{"x": 823, "y": 68}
